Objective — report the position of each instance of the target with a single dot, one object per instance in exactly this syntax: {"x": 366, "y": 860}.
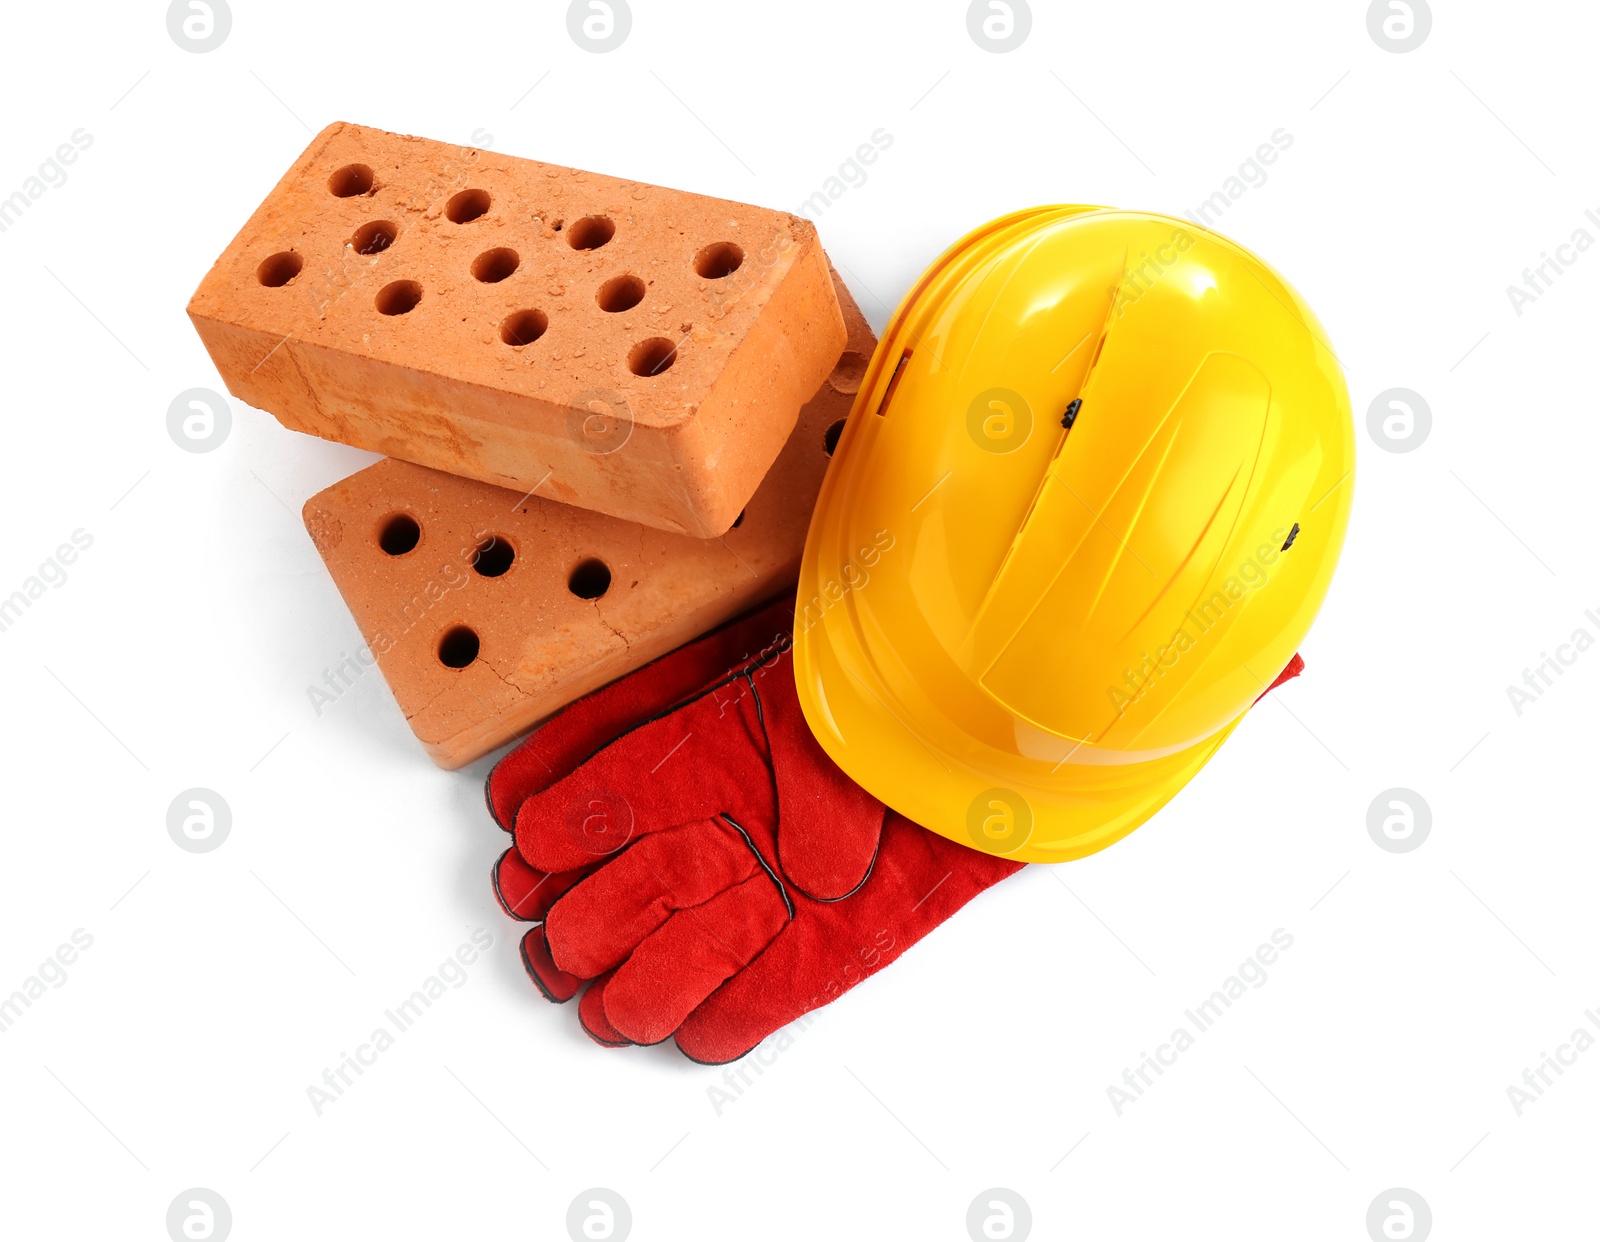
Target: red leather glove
{"x": 693, "y": 853}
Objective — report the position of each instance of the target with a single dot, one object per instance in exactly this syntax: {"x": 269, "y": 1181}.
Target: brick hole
{"x": 620, "y": 293}
{"x": 590, "y": 579}
{"x": 652, "y": 357}
{"x": 830, "y": 437}
{"x": 590, "y": 233}
{"x": 467, "y": 206}
{"x": 718, "y": 260}
{"x": 738, "y": 521}
{"x": 399, "y": 533}
{"x": 493, "y": 266}
{"x": 849, "y": 372}
{"x": 458, "y": 646}
{"x": 523, "y": 328}
{"x": 374, "y": 237}
{"x": 493, "y": 557}
{"x": 350, "y": 180}
{"x": 279, "y": 269}
{"x": 398, "y": 297}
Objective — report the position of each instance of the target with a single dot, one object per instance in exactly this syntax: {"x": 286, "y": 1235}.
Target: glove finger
{"x": 603, "y": 919}
{"x": 525, "y": 892}
{"x": 687, "y": 766}
{"x": 592, "y": 1015}
{"x": 770, "y": 993}
{"x": 828, "y": 825}
{"x": 556, "y": 984}
{"x": 577, "y": 732}
{"x": 694, "y": 953}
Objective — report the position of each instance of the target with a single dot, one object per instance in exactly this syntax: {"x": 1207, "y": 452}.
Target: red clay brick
{"x": 540, "y": 645}
{"x": 385, "y": 293}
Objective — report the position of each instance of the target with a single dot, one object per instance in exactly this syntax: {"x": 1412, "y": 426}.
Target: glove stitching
{"x": 765, "y": 866}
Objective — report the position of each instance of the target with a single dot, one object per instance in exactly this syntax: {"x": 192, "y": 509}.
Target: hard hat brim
{"x": 1071, "y": 809}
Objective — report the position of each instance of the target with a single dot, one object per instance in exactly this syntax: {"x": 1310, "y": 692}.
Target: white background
{"x": 219, "y": 986}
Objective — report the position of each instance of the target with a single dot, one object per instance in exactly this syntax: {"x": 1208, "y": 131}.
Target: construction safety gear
{"x": 688, "y": 849}
{"x": 1085, "y": 507}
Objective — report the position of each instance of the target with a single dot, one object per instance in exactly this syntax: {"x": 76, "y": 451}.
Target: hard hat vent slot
{"x": 894, "y": 382}
{"x": 1289, "y": 542}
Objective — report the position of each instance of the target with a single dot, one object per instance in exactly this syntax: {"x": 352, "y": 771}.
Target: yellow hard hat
{"x": 1085, "y": 507}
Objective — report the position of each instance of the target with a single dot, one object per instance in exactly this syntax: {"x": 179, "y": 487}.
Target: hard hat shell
{"x": 1086, "y": 505}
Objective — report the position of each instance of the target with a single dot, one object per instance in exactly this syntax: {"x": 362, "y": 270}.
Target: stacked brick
{"x": 607, "y": 406}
